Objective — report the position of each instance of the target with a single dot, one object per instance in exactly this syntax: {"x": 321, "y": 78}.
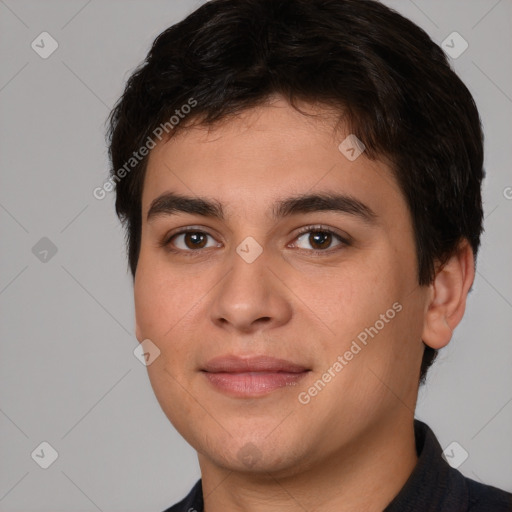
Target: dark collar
{"x": 433, "y": 486}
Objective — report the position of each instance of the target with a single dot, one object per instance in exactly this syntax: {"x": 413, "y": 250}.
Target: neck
{"x": 365, "y": 476}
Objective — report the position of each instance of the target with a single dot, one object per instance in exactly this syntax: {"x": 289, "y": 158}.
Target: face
{"x": 290, "y": 308}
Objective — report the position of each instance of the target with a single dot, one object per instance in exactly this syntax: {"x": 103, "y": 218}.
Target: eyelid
{"x": 344, "y": 239}
{"x": 166, "y": 240}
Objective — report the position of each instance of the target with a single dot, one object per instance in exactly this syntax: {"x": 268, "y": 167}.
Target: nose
{"x": 250, "y": 298}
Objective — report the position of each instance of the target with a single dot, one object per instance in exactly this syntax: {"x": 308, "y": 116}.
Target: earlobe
{"x": 447, "y": 301}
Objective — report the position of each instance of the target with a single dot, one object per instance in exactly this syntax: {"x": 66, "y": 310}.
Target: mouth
{"x": 252, "y": 376}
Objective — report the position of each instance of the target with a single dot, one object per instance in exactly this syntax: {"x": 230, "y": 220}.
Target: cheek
{"x": 361, "y": 305}
{"x": 353, "y": 298}
{"x": 166, "y": 304}
{"x": 162, "y": 304}
{"x": 157, "y": 296}
{"x": 148, "y": 301}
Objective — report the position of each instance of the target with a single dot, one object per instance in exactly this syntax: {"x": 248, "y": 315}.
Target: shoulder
{"x": 193, "y": 502}
{"x": 486, "y": 498}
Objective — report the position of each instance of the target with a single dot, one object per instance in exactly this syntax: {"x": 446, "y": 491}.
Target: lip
{"x": 236, "y": 364}
{"x": 252, "y": 376}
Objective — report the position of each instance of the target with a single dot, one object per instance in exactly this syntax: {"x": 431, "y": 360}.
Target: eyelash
{"x": 344, "y": 241}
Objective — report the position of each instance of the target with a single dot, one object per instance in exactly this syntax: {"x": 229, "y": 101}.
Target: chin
{"x": 258, "y": 456}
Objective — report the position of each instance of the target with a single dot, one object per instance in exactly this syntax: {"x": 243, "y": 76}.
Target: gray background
{"x": 68, "y": 373}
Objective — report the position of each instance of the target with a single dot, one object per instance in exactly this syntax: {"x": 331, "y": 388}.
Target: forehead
{"x": 265, "y": 153}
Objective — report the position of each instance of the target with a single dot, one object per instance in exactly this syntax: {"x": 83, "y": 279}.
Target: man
{"x": 300, "y": 183}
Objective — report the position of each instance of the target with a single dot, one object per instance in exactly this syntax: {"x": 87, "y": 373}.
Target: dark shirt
{"x": 434, "y": 486}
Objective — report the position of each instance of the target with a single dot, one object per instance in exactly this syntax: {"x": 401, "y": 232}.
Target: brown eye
{"x": 191, "y": 240}
{"x": 195, "y": 240}
{"x": 320, "y": 240}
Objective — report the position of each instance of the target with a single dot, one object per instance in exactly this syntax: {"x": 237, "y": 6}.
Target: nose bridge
{"x": 249, "y": 295}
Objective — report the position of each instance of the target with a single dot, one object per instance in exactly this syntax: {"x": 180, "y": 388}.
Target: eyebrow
{"x": 171, "y": 203}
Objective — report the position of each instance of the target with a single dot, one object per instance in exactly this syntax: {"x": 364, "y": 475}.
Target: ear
{"x": 448, "y": 295}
